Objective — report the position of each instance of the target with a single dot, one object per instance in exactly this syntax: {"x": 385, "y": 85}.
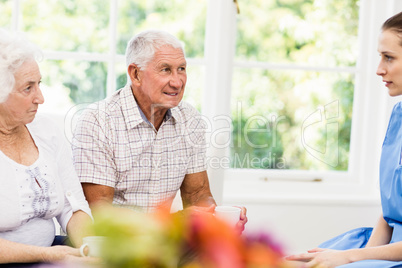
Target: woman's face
{"x": 22, "y": 103}
{"x": 390, "y": 66}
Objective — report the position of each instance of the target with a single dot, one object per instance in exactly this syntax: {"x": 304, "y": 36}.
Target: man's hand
{"x": 243, "y": 220}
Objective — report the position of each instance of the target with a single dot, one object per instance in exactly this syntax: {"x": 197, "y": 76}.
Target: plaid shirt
{"x": 116, "y": 146}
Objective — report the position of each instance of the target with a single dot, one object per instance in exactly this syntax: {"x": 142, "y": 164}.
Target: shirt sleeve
{"x": 92, "y": 151}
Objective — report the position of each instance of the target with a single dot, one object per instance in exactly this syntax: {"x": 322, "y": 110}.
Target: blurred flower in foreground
{"x": 219, "y": 246}
{"x": 136, "y": 239}
{"x": 169, "y": 240}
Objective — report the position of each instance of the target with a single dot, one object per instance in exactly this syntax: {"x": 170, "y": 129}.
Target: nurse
{"x": 381, "y": 246}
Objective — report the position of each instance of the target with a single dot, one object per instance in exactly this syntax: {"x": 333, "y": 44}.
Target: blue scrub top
{"x": 391, "y": 198}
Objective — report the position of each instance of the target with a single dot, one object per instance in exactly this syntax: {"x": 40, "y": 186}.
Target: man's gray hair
{"x": 142, "y": 47}
{"x": 15, "y": 49}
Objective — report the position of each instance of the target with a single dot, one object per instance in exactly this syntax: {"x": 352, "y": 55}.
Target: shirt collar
{"x": 174, "y": 113}
{"x": 133, "y": 115}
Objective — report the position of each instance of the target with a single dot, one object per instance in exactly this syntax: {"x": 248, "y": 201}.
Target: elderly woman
{"x": 38, "y": 180}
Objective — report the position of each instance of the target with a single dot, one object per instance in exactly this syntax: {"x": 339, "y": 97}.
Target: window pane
{"x": 68, "y": 83}
{"x": 6, "y": 9}
{"x": 313, "y": 32}
{"x": 183, "y": 18}
{"x": 67, "y": 25}
{"x": 291, "y": 119}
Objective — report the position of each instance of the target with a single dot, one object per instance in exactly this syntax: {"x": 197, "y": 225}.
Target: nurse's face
{"x": 390, "y": 66}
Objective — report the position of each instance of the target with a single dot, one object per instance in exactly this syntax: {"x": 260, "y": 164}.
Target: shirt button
{"x": 69, "y": 193}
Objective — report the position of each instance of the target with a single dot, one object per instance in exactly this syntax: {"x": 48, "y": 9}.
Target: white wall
{"x": 299, "y": 227}
{"x": 299, "y": 224}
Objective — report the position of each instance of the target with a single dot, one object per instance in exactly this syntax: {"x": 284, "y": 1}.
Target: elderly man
{"x": 142, "y": 144}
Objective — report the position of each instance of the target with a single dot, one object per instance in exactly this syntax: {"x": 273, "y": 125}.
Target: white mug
{"x": 93, "y": 245}
{"x": 229, "y": 214}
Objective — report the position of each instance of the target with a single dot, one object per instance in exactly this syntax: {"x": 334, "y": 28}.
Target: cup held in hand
{"x": 229, "y": 214}
{"x": 92, "y": 246}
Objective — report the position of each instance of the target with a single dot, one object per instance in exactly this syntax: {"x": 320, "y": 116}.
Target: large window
{"x": 293, "y": 83}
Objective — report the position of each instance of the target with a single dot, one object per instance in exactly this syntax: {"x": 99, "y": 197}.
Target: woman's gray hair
{"x": 15, "y": 49}
{"x": 142, "y": 47}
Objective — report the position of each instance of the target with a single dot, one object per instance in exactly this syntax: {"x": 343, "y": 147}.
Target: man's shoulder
{"x": 103, "y": 108}
{"x": 190, "y": 116}
{"x": 186, "y": 109}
